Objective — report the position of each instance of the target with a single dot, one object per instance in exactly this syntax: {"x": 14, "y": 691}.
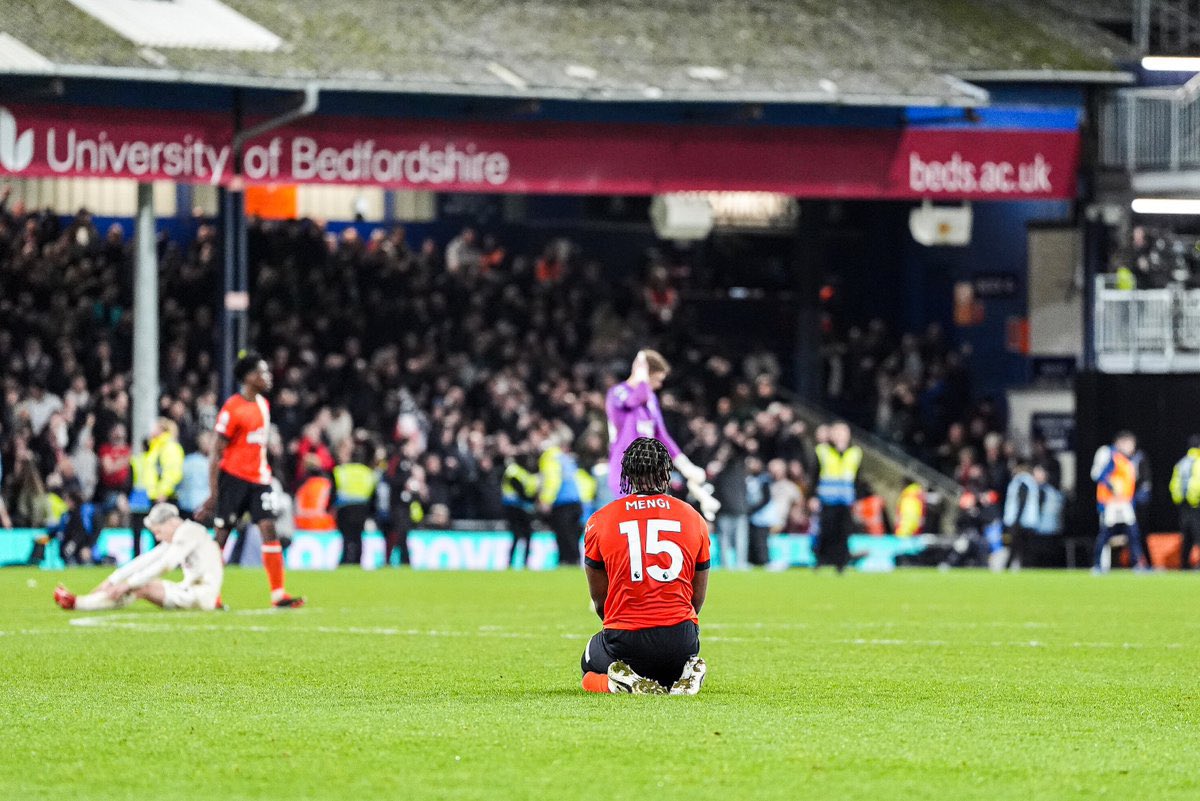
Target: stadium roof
{"x": 1110, "y": 11}
{"x": 901, "y": 52}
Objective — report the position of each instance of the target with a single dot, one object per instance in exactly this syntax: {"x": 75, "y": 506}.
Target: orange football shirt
{"x": 247, "y": 425}
{"x": 651, "y": 547}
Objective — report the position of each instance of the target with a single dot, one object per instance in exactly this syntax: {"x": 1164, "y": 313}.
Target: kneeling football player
{"x": 646, "y": 557}
{"x": 181, "y": 543}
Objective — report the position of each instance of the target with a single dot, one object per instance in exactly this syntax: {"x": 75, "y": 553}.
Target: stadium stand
{"x": 400, "y": 347}
{"x": 452, "y": 360}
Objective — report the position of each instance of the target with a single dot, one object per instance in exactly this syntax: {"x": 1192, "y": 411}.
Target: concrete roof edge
{"x": 965, "y": 94}
{"x": 1103, "y": 77}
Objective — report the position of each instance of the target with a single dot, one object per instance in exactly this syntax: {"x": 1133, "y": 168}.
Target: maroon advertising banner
{"x": 545, "y": 157}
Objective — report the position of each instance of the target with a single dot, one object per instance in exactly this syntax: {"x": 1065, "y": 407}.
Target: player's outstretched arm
{"x": 699, "y": 589}
{"x": 640, "y": 373}
{"x": 597, "y": 587}
{"x": 141, "y": 570}
{"x": 627, "y": 398}
{"x": 121, "y": 574}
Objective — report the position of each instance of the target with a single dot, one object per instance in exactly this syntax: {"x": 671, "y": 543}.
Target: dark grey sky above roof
{"x": 848, "y": 51}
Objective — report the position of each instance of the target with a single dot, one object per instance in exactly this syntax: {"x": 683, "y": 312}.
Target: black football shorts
{"x": 657, "y": 653}
{"x": 237, "y": 497}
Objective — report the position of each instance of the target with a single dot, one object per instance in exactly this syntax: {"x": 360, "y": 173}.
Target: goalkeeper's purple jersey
{"x": 633, "y": 412}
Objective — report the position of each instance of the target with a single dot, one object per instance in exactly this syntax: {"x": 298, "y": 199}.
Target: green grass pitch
{"x": 409, "y": 685}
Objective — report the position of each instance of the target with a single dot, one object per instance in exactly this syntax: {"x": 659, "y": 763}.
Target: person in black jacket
{"x": 758, "y": 495}
{"x": 733, "y": 520}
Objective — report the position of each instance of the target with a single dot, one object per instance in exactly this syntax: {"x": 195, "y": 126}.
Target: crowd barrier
{"x": 452, "y": 550}
{"x": 1147, "y": 330}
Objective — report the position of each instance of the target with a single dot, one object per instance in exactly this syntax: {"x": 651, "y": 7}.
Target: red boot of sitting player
{"x": 63, "y": 597}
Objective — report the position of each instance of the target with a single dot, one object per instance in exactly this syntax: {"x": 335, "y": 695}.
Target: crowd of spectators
{"x": 911, "y": 390}
{"x": 434, "y": 363}
{"x": 914, "y": 391}
{"x": 1155, "y": 258}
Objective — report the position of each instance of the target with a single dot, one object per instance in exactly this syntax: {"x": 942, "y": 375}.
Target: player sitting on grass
{"x": 646, "y": 558}
{"x": 182, "y": 543}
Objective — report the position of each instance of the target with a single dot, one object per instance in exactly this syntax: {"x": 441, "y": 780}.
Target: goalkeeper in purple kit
{"x": 633, "y": 412}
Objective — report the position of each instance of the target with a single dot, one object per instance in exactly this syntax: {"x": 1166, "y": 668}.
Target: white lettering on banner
{"x": 482, "y": 554}
{"x": 313, "y": 553}
{"x": 436, "y": 553}
{"x": 362, "y": 162}
{"x": 957, "y": 175}
{"x": 119, "y": 547}
{"x": 472, "y": 550}
{"x": 540, "y": 552}
{"x": 373, "y": 550}
{"x": 263, "y": 162}
{"x": 191, "y": 158}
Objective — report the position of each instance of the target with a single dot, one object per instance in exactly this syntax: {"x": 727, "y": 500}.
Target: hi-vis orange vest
{"x": 869, "y": 511}
{"x": 1122, "y": 479}
{"x": 312, "y": 505}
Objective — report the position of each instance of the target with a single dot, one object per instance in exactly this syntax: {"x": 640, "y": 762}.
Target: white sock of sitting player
{"x": 101, "y": 600}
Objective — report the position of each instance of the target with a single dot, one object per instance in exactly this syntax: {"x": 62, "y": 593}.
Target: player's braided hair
{"x": 645, "y": 467}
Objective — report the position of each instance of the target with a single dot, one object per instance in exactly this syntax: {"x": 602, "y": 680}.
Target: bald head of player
{"x": 163, "y": 520}
{"x": 645, "y": 468}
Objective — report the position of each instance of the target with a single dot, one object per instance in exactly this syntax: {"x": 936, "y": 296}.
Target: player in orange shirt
{"x": 646, "y": 557}
{"x": 239, "y": 476}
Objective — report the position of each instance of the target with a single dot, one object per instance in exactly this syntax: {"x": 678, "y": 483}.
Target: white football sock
{"x": 98, "y": 601}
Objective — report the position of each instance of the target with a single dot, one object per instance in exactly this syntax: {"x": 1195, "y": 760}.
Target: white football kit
{"x": 203, "y": 569}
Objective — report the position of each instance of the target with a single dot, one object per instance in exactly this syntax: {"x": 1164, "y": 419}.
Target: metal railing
{"x": 1147, "y": 330}
{"x": 1152, "y": 129}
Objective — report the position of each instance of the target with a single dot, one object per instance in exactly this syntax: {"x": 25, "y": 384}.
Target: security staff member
{"x": 354, "y": 483}
{"x": 156, "y": 474}
{"x": 518, "y": 491}
{"x": 1185, "y": 491}
{"x": 313, "y": 499}
{"x": 1115, "y": 474}
{"x": 837, "y": 489}
{"x": 910, "y": 510}
{"x": 560, "y": 498}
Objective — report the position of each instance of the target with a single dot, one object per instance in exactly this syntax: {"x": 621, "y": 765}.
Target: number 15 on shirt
{"x": 653, "y": 545}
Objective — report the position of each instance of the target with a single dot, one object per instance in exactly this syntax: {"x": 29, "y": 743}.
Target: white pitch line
{"x": 116, "y": 622}
{"x": 159, "y": 622}
{"x": 1010, "y": 644}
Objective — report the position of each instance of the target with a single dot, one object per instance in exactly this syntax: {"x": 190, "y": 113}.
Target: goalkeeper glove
{"x": 691, "y": 473}
{"x": 709, "y": 506}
